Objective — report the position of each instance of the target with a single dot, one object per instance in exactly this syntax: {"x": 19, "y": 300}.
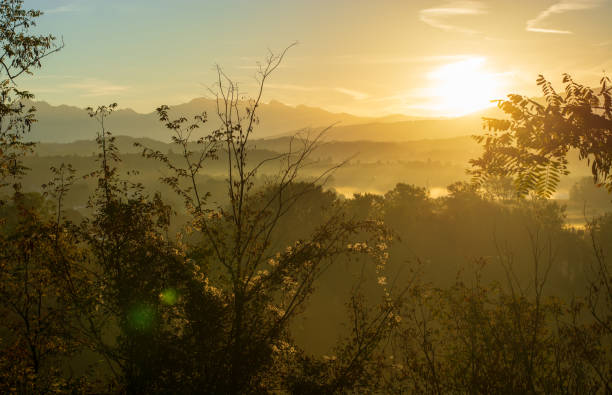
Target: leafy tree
{"x": 532, "y": 146}
{"x": 533, "y": 142}
{"x": 41, "y": 272}
{"x": 408, "y": 203}
{"x": 136, "y": 274}
{"x": 584, "y": 192}
{"x": 21, "y": 53}
{"x": 35, "y": 330}
{"x": 599, "y": 296}
{"x": 474, "y": 338}
{"x": 249, "y": 290}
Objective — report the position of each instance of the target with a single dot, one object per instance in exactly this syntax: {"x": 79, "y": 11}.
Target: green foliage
{"x": 21, "y": 53}
{"x": 471, "y": 338}
{"x": 248, "y": 287}
{"x": 39, "y": 274}
{"x": 532, "y": 144}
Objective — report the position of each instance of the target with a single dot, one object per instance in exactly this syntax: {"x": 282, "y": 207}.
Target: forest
{"x": 222, "y": 263}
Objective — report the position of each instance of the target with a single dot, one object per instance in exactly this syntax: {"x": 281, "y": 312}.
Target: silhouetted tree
{"x": 21, "y": 53}
{"x": 532, "y": 144}
{"x": 239, "y": 319}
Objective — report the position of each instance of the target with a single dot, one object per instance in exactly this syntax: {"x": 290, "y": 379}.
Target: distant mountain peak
{"x": 65, "y": 123}
{"x": 276, "y": 103}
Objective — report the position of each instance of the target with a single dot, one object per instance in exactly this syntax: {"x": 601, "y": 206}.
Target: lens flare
{"x": 141, "y": 317}
{"x": 169, "y": 296}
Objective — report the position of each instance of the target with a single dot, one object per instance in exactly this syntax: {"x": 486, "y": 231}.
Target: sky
{"x": 370, "y": 58}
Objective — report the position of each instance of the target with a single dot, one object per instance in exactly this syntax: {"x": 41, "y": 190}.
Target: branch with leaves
{"x": 532, "y": 143}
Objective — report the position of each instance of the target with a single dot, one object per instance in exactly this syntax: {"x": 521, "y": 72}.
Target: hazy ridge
{"x": 62, "y": 124}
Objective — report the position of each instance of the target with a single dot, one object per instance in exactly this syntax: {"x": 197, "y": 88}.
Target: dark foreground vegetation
{"x": 282, "y": 286}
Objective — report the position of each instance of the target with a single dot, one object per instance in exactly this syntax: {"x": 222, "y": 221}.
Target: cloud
{"x": 382, "y": 59}
{"x": 560, "y": 8}
{"x": 357, "y": 95}
{"x": 354, "y": 94}
{"x": 258, "y": 67}
{"x": 56, "y": 77}
{"x": 437, "y": 17}
{"x": 61, "y": 9}
{"x": 292, "y": 87}
{"x": 95, "y": 88}
{"x": 48, "y": 90}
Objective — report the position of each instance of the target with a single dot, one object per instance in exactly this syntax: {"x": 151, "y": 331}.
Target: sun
{"x": 463, "y": 87}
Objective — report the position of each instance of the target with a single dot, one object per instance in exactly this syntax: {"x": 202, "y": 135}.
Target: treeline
{"x": 397, "y": 293}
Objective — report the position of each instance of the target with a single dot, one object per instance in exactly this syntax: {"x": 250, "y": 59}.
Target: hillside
{"x": 61, "y": 124}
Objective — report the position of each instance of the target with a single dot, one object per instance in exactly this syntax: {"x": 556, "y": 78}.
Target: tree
{"x": 533, "y": 143}
{"x": 36, "y": 314}
{"x": 585, "y": 192}
{"x": 35, "y": 264}
{"x": 21, "y": 52}
{"x": 128, "y": 315}
{"x": 532, "y": 146}
{"x": 247, "y": 292}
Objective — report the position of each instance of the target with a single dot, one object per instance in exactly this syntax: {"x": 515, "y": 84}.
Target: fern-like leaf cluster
{"x": 532, "y": 144}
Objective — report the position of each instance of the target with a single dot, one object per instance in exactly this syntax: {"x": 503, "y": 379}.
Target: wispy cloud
{"x": 258, "y": 67}
{"x": 353, "y": 93}
{"x": 293, "y": 87}
{"x": 603, "y": 43}
{"x": 48, "y": 90}
{"x": 438, "y": 17}
{"x": 61, "y": 9}
{"x": 560, "y": 8}
{"x": 383, "y": 59}
{"x": 95, "y": 88}
{"x": 56, "y": 77}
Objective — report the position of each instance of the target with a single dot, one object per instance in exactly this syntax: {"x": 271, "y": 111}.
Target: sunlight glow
{"x": 463, "y": 87}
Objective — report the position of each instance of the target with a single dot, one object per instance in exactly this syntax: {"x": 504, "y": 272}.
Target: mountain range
{"x": 62, "y": 124}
